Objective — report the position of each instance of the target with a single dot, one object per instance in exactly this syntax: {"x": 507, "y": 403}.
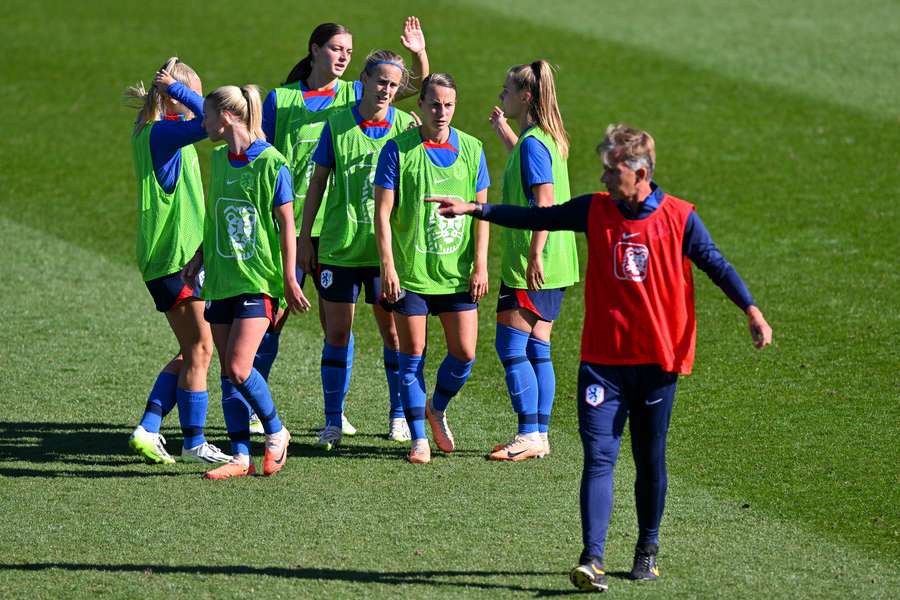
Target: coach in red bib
{"x": 639, "y": 330}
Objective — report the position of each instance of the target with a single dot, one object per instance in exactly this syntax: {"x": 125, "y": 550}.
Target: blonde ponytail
{"x": 537, "y": 78}
{"x": 243, "y": 102}
{"x": 149, "y": 103}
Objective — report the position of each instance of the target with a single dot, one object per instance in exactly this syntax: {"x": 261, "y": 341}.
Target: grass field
{"x": 779, "y": 120}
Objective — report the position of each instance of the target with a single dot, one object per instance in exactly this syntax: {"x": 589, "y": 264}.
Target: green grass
{"x": 783, "y": 464}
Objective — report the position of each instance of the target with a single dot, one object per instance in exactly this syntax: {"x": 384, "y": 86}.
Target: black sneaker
{"x": 645, "y": 567}
{"x": 589, "y": 576}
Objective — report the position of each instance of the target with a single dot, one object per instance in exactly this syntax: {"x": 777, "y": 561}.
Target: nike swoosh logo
{"x": 502, "y": 296}
{"x": 514, "y": 454}
{"x": 657, "y": 401}
{"x": 442, "y": 180}
{"x": 230, "y": 181}
{"x": 628, "y": 236}
{"x": 248, "y": 303}
{"x": 278, "y": 461}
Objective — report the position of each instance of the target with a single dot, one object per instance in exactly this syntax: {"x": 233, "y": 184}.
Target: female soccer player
{"x": 295, "y": 113}
{"x": 249, "y": 261}
{"x": 347, "y": 258}
{"x": 430, "y": 264}
{"x": 639, "y": 330}
{"x": 537, "y": 267}
{"x": 170, "y": 220}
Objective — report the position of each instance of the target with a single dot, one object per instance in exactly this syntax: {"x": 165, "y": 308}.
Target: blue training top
{"x": 169, "y": 136}
{"x": 387, "y": 173}
{"x": 284, "y": 187}
{"x": 324, "y": 152}
{"x": 536, "y": 165}
{"x": 698, "y": 245}
{"x": 313, "y": 101}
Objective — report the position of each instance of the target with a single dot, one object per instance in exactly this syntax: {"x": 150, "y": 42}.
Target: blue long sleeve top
{"x": 168, "y": 137}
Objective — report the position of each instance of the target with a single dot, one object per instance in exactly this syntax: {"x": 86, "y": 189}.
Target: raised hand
{"x": 413, "y": 39}
{"x": 163, "y": 80}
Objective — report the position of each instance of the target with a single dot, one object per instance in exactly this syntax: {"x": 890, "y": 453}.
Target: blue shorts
{"x": 170, "y": 290}
{"x": 412, "y": 304}
{"x": 300, "y": 273}
{"x": 243, "y": 306}
{"x": 342, "y": 284}
{"x": 544, "y": 304}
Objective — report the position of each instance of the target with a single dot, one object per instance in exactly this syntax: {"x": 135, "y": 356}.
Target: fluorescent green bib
{"x": 348, "y": 233}
{"x": 560, "y": 256}
{"x": 170, "y": 226}
{"x": 297, "y": 131}
{"x": 241, "y": 248}
{"x": 433, "y": 254}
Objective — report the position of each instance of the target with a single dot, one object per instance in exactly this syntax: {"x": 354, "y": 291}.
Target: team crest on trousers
{"x": 630, "y": 261}
{"x": 594, "y": 395}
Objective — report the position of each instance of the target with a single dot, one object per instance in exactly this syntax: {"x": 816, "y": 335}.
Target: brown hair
{"x": 150, "y": 102}
{"x": 319, "y": 37}
{"x": 442, "y": 79}
{"x": 537, "y": 78}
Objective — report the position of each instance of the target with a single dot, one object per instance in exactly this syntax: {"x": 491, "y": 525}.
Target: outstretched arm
{"x": 570, "y": 216}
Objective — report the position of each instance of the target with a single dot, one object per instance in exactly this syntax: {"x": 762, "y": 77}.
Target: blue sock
{"x": 539, "y": 356}
{"x": 337, "y": 365}
{"x": 412, "y": 393}
{"x": 237, "y": 416}
{"x": 266, "y": 353}
{"x": 160, "y": 402}
{"x": 392, "y": 371}
{"x": 256, "y": 392}
{"x": 451, "y": 376}
{"x": 192, "y": 414}
{"x": 521, "y": 381}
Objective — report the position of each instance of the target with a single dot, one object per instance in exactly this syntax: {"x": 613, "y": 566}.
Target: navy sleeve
{"x": 323, "y": 155}
{"x": 284, "y": 188}
{"x": 387, "y": 173}
{"x": 188, "y": 97}
{"x": 484, "y": 179}
{"x": 699, "y": 247}
{"x": 268, "y": 117}
{"x": 569, "y": 216}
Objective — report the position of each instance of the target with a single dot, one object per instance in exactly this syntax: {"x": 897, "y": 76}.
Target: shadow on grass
{"x": 439, "y": 579}
{"x": 86, "y": 444}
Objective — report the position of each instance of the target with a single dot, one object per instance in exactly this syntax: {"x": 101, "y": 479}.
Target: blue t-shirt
{"x": 169, "y": 136}
{"x": 284, "y": 186}
{"x": 536, "y": 165}
{"x": 313, "y": 99}
{"x": 324, "y": 152}
{"x": 387, "y": 173}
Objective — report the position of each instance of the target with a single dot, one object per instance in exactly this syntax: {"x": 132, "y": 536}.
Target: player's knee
{"x": 200, "y": 354}
{"x": 341, "y": 339}
{"x": 238, "y": 373}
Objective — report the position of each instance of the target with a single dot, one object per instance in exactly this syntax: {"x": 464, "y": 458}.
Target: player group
{"x": 324, "y": 179}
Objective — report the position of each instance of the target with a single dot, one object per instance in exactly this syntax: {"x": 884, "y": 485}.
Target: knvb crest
{"x": 594, "y": 395}
{"x": 236, "y": 228}
{"x": 630, "y": 261}
{"x": 442, "y": 235}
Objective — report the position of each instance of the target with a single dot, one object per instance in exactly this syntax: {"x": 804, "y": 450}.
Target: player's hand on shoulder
{"x": 760, "y": 331}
